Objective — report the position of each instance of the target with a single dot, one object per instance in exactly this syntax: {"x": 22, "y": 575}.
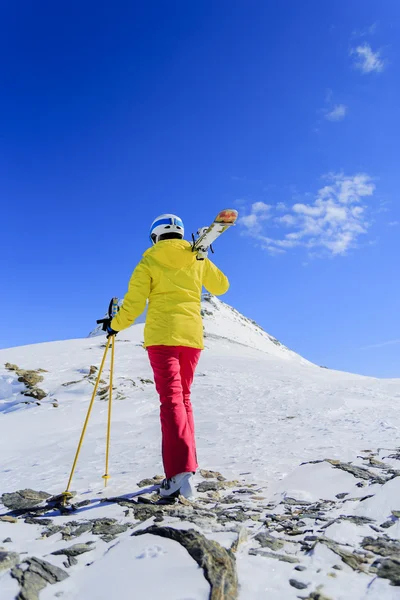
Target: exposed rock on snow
{"x": 299, "y": 585}
{"x": 108, "y": 529}
{"x": 8, "y": 559}
{"x": 290, "y": 532}
{"x": 390, "y": 569}
{"x": 268, "y": 541}
{"x": 33, "y": 575}
{"x": 30, "y": 378}
{"x": 382, "y": 546}
{"x": 217, "y": 563}
{"x": 24, "y": 499}
{"x": 75, "y": 550}
{"x": 359, "y": 472}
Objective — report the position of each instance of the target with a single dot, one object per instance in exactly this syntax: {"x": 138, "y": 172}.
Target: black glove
{"x": 105, "y": 325}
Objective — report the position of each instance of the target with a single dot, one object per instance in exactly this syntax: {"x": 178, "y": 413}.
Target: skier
{"x": 171, "y": 278}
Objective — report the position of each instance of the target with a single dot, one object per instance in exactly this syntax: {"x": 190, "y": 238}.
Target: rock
{"x": 36, "y": 393}
{"x": 337, "y": 567}
{"x": 382, "y": 546}
{"x": 103, "y": 392}
{"x": 36, "y": 521}
{"x": 8, "y": 559}
{"x": 387, "y": 524}
{"x": 268, "y": 541}
{"x": 210, "y": 486}
{"x": 29, "y": 378}
{"x": 342, "y": 495}
{"x": 266, "y": 554}
{"x": 312, "y": 515}
{"x": 230, "y": 499}
{"x": 218, "y": 564}
{"x": 52, "y": 530}
{"x": 359, "y": 472}
{"x": 79, "y": 529}
{"x": 75, "y": 550}
{"x": 23, "y": 499}
{"x": 298, "y": 584}
{"x": 300, "y": 568}
{"x": 35, "y": 577}
{"x": 241, "y": 539}
{"x": 8, "y": 519}
{"x": 294, "y": 502}
{"x": 353, "y": 560}
{"x": 211, "y": 475}
{"x": 58, "y": 501}
{"x": 108, "y": 529}
{"x": 396, "y": 513}
{"x": 92, "y": 370}
{"x": 142, "y": 380}
{"x": 11, "y": 367}
{"x": 156, "y": 480}
{"x": 356, "y": 520}
{"x": 70, "y": 562}
{"x": 390, "y": 569}
{"x": 7, "y": 540}
{"x": 317, "y": 596}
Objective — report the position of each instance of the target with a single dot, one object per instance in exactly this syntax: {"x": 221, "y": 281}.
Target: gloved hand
{"x": 202, "y": 254}
{"x": 107, "y": 327}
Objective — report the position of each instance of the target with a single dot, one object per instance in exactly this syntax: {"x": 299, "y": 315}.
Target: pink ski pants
{"x": 173, "y": 368}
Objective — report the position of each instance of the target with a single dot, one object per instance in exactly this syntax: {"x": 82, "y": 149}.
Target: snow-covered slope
{"x": 260, "y": 411}
{"x": 223, "y": 322}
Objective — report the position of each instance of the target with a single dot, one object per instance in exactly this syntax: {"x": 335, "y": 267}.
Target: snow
{"x": 176, "y": 573}
{"x": 260, "y": 411}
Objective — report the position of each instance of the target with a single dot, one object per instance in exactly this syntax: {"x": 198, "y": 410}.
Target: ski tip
{"x": 228, "y": 216}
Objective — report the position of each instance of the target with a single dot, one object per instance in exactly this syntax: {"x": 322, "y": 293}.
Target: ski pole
{"x": 67, "y": 493}
{"x": 106, "y": 476}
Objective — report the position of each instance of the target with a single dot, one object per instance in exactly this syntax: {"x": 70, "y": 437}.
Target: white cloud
{"x": 330, "y": 224}
{"x": 394, "y": 223}
{"x": 337, "y": 113}
{"x": 261, "y": 208}
{"x": 253, "y": 221}
{"x": 333, "y": 112}
{"x": 366, "y": 60}
{"x": 286, "y": 220}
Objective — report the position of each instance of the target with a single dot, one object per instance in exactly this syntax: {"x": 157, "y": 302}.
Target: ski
{"x": 207, "y": 235}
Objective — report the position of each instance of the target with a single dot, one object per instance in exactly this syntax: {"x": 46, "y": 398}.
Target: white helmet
{"x": 165, "y": 225}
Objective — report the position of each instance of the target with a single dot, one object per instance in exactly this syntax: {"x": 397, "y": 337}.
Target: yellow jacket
{"x": 171, "y": 277}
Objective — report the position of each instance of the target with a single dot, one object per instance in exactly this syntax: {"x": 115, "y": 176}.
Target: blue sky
{"x": 114, "y": 113}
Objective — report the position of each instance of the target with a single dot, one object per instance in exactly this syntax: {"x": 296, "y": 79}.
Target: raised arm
{"x": 135, "y": 299}
{"x": 214, "y": 280}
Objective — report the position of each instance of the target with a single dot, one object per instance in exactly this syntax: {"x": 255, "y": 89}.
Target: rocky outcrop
{"x": 217, "y": 563}
{"x": 8, "y": 559}
{"x": 33, "y": 575}
{"x": 30, "y": 378}
{"x": 290, "y": 529}
{"x": 24, "y": 499}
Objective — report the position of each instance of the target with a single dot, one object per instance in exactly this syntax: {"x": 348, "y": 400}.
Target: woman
{"x": 171, "y": 278}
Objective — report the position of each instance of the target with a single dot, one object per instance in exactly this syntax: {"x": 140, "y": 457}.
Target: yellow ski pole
{"x": 67, "y": 493}
{"x": 106, "y": 476}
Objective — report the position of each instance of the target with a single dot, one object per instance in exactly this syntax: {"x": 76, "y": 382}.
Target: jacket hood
{"x": 172, "y": 253}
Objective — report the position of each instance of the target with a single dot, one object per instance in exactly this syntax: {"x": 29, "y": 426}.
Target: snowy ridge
{"x": 260, "y": 411}
{"x": 238, "y": 328}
